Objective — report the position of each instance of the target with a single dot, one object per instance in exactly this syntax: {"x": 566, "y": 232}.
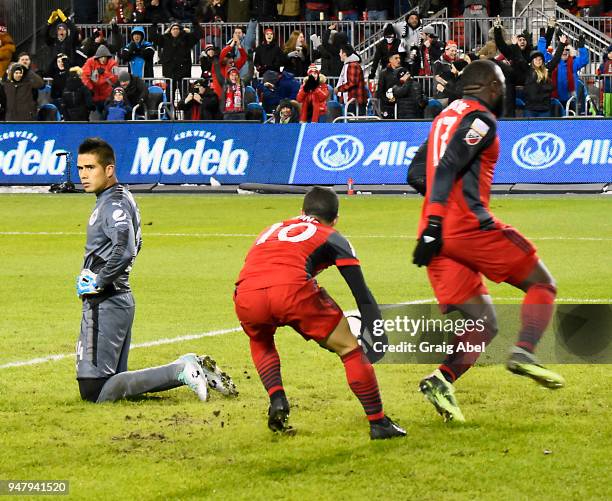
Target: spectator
{"x": 224, "y": 61}
{"x": 139, "y": 54}
{"x": 443, "y": 73}
{"x": 538, "y": 84}
{"x": 565, "y": 75}
{"x": 476, "y": 28}
{"x": 351, "y": 86}
{"x": 246, "y": 41}
{"x": 408, "y": 95}
{"x": 313, "y": 97}
{"x": 212, "y": 11}
{"x": 17, "y": 99}
{"x": 287, "y": 112}
{"x": 411, "y": 32}
{"x": 328, "y": 49}
{"x": 206, "y": 58}
{"x": 268, "y": 56}
{"x": 100, "y": 75}
{"x": 59, "y": 74}
{"x": 317, "y": 10}
{"x": 268, "y": 89}
{"x": 61, "y": 35}
{"x": 430, "y": 51}
{"x": 156, "y": 11}
{"x": 181, "y": 11}
{"x": 139, "y": 14}
{"x": 388, "y": 78}
{"x": 297, "y": 56}
{"x": 7, "y": 49}
{"x": 238, "y": 11}
{"x": 90, "y": 45}
{"x": 77, "y": 102}
{"x": 136, "y": 91}
{"x": 175, "y": 52}
{"x": 232, "y": 106}
{"x": 118, "y": 11}
{"x": 201, "y": 103}
{"x": 387, "y": 46}
{"x": 605, "y": 70}
{"x": 288, "y": 10}
{"x": 117, "y": 106}
{"x": 288, "y": 86}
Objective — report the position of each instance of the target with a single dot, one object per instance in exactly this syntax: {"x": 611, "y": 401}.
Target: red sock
{"x": 536, "y": 312}
{"x": 267, "y": 363}
{"x": 362, "y": 380}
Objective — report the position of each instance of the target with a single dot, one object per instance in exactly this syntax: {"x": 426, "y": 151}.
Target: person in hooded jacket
{"x": 313, "y": 97}
{"x": 136, "y": 91}
{"x": 268, "y": 55}
{"x": 77, "y": 101}
{"x": 351, "y": 89}
{"x": 329, "y": 51}
{"x": 100, "y": 75}
{"x": 17, "y": 98}
{"x": 139, "y": 54}
{"x": 61, "y": 35}
{"x": 387, "y": 46}
{"x": 287, "y": 112}
{"x": 59, "y": 74}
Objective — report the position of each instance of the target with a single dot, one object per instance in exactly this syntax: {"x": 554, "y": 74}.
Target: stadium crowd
{"x": 307, "y": 77}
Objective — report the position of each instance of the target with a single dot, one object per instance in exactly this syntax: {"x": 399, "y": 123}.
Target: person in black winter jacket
{"x": 386, "y": 81}
{"x": 408, "y": 95}
{"x": 538, "y": 83}
{"x": 388, "y": 45}
{"x": 62, "y": 36}
{"x": 136, "y": 91}
{"x": 175, "y": 51}
{"x": 77, "y": 101}
{"x": 59, "y": 74}
{"x": 329, "y": 51}
{"x": 201, "y": 103}
{"x": 268, "y": 55}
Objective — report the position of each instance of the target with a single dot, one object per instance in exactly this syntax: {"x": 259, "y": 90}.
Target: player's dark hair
{"x": 321, "y": 203}
{"x": 99, "y": 147}
{"x": 477, "y": 74}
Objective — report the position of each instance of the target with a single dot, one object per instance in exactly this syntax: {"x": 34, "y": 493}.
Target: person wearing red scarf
{"x": 313, "y": 96}
{"x": 233, "y": 96}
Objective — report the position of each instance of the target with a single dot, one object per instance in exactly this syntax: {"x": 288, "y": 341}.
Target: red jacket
{"x": 315, "y": 99}
{"x": 219, "y": 72}
{"x": 100, "y": 85}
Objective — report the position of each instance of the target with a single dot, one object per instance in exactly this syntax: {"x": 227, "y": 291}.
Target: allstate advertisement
{"x": 536, "y": 151}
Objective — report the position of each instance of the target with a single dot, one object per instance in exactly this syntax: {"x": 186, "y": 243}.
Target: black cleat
{"x": 386, "y": 429}
{"x": 278, "y": 416}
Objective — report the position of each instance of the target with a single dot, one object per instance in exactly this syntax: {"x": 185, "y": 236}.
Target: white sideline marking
{"x": 253, "y": 235}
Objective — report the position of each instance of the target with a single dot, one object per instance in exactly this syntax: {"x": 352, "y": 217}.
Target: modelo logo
{"x": 538, "y": 151}
{"x": 338, "y": 152}
{"x": 156, "y": 159}
{"x": 28, "y": 160}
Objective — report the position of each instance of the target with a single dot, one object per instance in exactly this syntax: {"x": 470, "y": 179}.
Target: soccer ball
{"x": 354, "y": 322}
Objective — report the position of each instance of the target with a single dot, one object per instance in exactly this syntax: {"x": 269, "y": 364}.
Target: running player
{"x": 276, "y": 287}
{"x": 460, "y": 240}
{"x": 113, "y": 241}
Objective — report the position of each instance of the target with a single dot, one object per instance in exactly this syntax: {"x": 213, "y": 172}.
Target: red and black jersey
{"x": 293, "y": 252}
{"x": 463, "y": 148}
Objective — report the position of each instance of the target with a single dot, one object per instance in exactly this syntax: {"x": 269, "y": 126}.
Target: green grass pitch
{"x": 519, "y": 442}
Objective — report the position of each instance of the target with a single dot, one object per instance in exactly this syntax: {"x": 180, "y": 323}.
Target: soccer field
{"x": 519, "y": 441}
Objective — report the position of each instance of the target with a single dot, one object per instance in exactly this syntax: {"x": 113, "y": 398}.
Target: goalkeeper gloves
{"x": 429, "y": 244}
{"x": 52, "y": 17}
{"x": 61, "y": 15}
{"x": 87, "y": 283}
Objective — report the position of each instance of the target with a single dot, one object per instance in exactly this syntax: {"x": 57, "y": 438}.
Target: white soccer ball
{"x": 354, "y": 322}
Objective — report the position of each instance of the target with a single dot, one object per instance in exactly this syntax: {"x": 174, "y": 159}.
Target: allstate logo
{"x": 539, "y": 150}
{"x": 338, "y": 152}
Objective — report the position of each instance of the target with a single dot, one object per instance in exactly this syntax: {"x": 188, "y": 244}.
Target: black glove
{"x": 429, "y": 244}
{"x": 373, "y": 338}
{"x": 311, "y": 83}
{"x": 580, "y": 43}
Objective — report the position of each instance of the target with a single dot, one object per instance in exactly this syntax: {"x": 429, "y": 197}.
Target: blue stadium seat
{"x": 49, "y": 113}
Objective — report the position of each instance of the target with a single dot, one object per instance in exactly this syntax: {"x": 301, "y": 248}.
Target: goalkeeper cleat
{"x": 385, "y": 429}
{"x": 217, "y": 379}
{"x": 441, "y": 394}
{"x": 524, "y": 363}
{"x": 278, "y": 416}
{"x": 193, "y": 377}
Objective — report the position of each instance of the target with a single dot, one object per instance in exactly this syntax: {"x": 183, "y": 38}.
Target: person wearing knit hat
{"x": 117, "y": 107}
{"x": 135, "y": 88}
{"x": 61, "y": 35}
{"x": 313, "y": 96}
{"x": 445, "y": 75}
{"x": 268, "y": 55}
{"x": 313, "y": 69}
{"x": 232, "y": 105}
{"x": 390, "y": 44}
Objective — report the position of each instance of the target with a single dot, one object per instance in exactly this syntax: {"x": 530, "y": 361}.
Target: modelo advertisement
{"x": 537, "y": 151}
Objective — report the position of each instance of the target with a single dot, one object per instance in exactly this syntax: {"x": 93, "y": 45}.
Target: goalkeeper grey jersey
{"x": 113, "y": 238}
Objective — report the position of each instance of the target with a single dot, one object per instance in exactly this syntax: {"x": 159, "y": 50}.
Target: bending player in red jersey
{"x": 460, "y": 239}
{"x": 276, "y": 287}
